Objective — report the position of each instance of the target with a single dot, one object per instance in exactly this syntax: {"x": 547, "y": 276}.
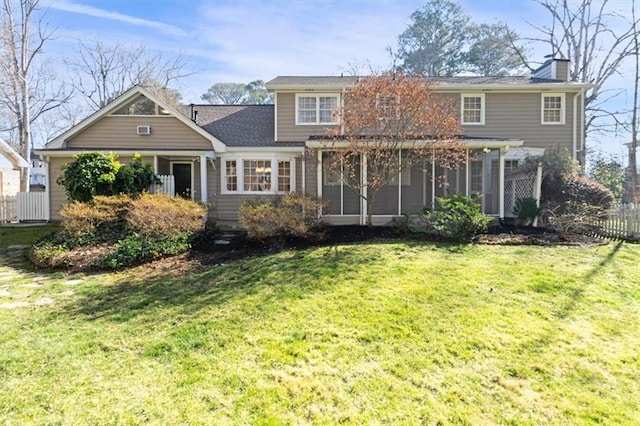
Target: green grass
{"x": 13, "y": 235}
{"x": 387, "y": 333}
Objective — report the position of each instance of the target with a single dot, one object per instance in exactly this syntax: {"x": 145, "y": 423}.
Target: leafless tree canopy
{"x": 392, "y": 122}
{"x": 106, "y": 71}
{"x": 28, "y": 88}
{"x": 597, "y": 40}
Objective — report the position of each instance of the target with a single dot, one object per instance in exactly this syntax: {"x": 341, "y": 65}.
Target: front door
{"x": 182, "y": 177}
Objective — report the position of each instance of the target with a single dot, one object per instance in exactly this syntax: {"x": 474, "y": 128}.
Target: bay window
{"x": 257, "y": 176}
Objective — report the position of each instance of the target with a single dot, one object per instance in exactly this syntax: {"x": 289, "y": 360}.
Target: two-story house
{"x": 225, "y": 154}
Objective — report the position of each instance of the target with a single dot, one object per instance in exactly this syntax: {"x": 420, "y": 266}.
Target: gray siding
{"x": 287, "y": 130}
{"x": 518, "y": 116}
{"x": 121, "y": 132}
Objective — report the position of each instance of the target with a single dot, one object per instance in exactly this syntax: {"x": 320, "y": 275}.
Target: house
{"x": 225, "y": 154}
{"x": 11, "y": 164}
{"x": 37, "y": 175}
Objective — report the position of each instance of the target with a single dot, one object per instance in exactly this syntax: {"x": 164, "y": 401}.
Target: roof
{"x": 240, "y": 125}
{"x": 11, "y": 155}
{"x": 336, "y": 82}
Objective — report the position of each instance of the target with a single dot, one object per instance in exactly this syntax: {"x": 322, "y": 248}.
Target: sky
{"x": 245, "y": 40}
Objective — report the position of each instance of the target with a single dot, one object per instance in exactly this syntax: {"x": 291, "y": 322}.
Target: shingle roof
{"x": 239, "y": 125}
{"x": 346, "y": 81}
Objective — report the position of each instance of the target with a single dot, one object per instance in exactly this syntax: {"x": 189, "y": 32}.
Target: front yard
{"x": 392, "y": 332}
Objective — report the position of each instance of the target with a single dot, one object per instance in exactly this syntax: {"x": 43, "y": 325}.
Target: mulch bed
{"x": 240, "y": 247}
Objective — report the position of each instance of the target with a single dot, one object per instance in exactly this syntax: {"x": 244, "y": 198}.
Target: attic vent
{"x": 144, "y": 130}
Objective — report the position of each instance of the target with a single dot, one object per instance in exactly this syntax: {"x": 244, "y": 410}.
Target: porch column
{"x": 204, "y": 192}
{"x": 400, "y": 182}
{"x": 363, "y": 200}
{"x": 433, "y": 179}
{"x": 467, "y": 177}
{"x": 503, "y": 151}
{"x": 319, "y": 182}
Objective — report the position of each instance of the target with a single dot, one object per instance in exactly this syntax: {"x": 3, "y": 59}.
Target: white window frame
{"x": 240, "y": 174}
{"x": 482, "y": 109}
{"x": 317, "y": 96}
{"x": 563, "y": 109}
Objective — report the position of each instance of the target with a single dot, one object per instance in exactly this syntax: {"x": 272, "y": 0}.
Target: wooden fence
{"x": 24, "y": 207}
{"x": 623, "y": 221}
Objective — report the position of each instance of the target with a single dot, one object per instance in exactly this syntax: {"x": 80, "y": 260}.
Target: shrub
{"x": 580, "y": 189}
{"x": 291, "y": 215}
{"x": 96, "y": 173}
{"x": 90, "y": 174}
{"x": 143, "y": 229}
{"x": 139, "y": 248}
{"x": 159, "y": 214}
{"x": 526, "y": 209}
{"x": 135, "y": 178}
{"x": 457, "y": 218}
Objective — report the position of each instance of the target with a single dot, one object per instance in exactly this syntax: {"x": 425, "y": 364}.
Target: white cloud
{"x": 69, "y": 6}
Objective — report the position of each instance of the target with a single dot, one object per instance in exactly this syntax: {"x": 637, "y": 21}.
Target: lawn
{"x": 386, "y": 333}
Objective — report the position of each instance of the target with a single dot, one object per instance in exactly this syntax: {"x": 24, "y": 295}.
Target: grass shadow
{"x": 295, "y": 272}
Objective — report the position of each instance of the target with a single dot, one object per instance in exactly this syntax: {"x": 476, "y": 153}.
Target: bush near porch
{"x": 119, "y": 231}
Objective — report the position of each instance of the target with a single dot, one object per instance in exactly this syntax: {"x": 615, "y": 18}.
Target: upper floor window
{"x": 553, "y": 108}
{"x": 316, "y": 109}
{"x": 473, "y": 109}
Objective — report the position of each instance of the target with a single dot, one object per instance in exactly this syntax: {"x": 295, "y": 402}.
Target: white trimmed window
{"x": 475, "y": 177}
{"x": 258, "y": 176}
{"x": 553, "y": 108}
{"x": 316, "y": 109}
{"x": 473, "y": 109}
{"x": 284, "y": 176}
{"x": 231, "y": 179}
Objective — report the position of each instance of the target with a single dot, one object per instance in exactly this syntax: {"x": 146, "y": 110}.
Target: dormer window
{"x": 316, "y": 109}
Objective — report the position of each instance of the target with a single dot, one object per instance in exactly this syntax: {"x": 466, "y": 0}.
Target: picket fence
{"x": 24, "y": 207}
{"x": 623, "y": 221}
{"x": 166, "y": 186}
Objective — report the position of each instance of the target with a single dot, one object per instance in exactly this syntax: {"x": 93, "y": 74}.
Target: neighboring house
{"x": 223, "y": 155}
{"x": 37, "y": 175}
{"x": 11, "y": 163}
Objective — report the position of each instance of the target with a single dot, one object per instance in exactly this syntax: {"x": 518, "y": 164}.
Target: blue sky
{"x": 245, "y": 40}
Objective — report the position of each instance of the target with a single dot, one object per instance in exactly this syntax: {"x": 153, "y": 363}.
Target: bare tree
{"x": 597, "y": 40}
{"x": 633, "y": 149}
{"x": 27, "y": 85}
{"x": 106, "y": 71}
{"x": 392, "y": 122}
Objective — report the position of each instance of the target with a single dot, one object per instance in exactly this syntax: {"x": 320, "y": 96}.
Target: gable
{"x": 116, "y": 126}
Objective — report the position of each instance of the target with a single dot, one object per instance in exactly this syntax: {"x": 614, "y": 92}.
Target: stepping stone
{"x": 67, "y": 293}
{"x": 4, "y": 293}
{"x": 10, "y": 277}
{"x": 221, "y": 242}
{"x": 31, "y": 285}
{"x": 13, "y": 305}
{"x": 22, "y": 295}
{"x": 44, "y": 301}
{"x": 72, "y": 282}
{"x": 18, "y": 247}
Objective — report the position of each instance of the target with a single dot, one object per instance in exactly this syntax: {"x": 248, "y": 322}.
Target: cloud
{"x": 69, "y": 6}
